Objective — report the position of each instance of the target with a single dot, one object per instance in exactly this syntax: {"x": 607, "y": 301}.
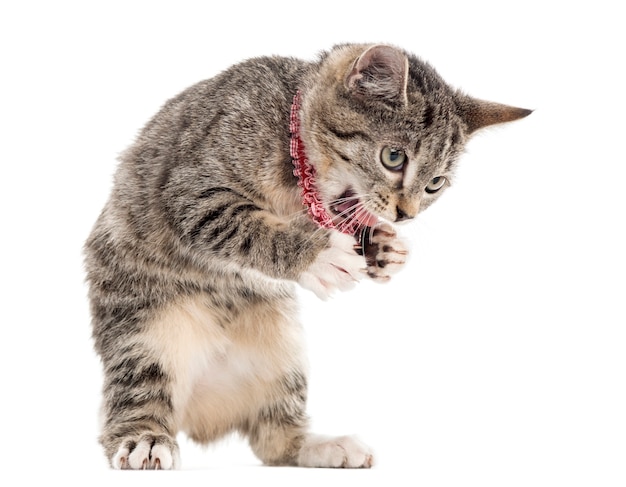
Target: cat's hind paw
{"x": 147, "y": 452}
{"x": 337, "y": 267}
{"x": 341, "y": 452}
{"x": 384, "y": 251}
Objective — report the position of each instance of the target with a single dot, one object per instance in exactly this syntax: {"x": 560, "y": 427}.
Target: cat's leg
{"x": 280, "y": 436}
{"x": 138, "y": 418}
{"x": 278, "y": 430}
{"x": 280, "y": 427}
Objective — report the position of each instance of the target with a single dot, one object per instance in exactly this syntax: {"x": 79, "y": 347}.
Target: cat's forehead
{"x": 424, "y": 125}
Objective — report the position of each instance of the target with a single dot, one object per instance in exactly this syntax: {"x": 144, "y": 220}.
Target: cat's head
{"x": 384, "y": 132}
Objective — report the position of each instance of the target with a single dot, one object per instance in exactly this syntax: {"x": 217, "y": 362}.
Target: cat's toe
{"x": 386, "y": 253}
{"x": 338, "y": 267}
{"x": 341, "y": 452}
{"x": 147, "y": 452}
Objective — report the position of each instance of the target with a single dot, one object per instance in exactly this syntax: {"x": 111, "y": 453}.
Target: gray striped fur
{"x": 191, "y": 265}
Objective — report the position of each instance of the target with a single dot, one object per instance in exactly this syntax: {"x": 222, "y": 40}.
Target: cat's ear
{"x": 379, "y": 72}
{"x": 479, "y": 113}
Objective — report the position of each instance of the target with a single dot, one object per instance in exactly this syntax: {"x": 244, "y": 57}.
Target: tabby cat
{"x": 275, "y": 172}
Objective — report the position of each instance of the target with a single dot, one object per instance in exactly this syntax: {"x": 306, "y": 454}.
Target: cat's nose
{"x": 402, "y": 215}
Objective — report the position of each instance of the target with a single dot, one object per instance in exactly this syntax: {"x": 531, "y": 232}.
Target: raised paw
{"x": 147, "y": 452}
{"x": 338, "y": 267}
{"x": 340, "y": 452}
{"x": 384, "y": 252}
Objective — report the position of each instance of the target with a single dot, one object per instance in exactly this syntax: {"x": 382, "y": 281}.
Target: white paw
{"x": 340, "y": 452}
{"x": 148, "y": 453}
{"x": 338, "y": 267}
{"x": 385, "y": 252}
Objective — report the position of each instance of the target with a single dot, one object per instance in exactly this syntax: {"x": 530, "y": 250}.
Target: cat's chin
{"x": 349, "y": 209}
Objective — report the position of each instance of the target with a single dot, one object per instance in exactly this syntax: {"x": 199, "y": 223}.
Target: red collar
{"x": 305, "y": 173}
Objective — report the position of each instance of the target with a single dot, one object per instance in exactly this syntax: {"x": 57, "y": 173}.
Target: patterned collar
{"x": 305, "y": 173}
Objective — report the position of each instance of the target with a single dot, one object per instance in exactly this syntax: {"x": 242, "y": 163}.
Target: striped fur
{"x": 191, "y": 265}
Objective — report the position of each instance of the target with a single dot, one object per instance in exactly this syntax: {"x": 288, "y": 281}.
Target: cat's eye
{"x": 393, "y": 159}
{"x": 435, "y": 184}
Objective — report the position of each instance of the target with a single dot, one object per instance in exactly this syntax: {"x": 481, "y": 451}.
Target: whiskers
{"x": 350, "y": 219}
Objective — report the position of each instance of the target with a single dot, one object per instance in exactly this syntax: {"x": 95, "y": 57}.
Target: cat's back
{"x": 259, "y": 88}
{"x": 241, "y": 114}
{"x": 224, "y": 131}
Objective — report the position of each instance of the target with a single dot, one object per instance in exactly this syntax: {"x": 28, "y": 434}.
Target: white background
{"x": 496, "y": 358}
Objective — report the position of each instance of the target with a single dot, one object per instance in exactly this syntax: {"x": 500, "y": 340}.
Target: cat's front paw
{"x": 147, "y": 452}
{"x": 341, "y": 452}
{"x": 384, "y": 251}
{"x": 337, "y": 267}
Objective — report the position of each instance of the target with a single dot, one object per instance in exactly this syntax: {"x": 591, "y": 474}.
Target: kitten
{"x": 192, "y": 264}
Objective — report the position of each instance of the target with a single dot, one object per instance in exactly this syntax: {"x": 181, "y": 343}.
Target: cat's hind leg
{"x": 290, "y": 444}
{"x": 138, "y": 430}
{"x": 280, "y": 436}
{"x": 278, "y": 426}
